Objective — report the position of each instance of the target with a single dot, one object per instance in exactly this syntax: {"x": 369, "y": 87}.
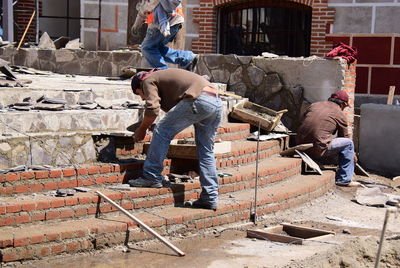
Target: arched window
{"x": 279, "y": 27}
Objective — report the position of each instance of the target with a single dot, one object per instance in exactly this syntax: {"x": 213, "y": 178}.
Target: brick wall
{"x": 206, "y": 16}
{"x": 23, "y": 10}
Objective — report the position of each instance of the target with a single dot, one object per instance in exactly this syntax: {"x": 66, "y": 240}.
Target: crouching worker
{"x": 188, "y": 99}
{"x": 322, "y": 121}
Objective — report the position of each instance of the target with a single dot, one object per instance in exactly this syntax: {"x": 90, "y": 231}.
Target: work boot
{"x": 142, "y": 182}
{"x": 349, "y": 184}
{"x": 201, "y": 204}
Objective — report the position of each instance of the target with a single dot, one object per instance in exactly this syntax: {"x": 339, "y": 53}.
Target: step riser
{"x": 32, "y": 247}
{"x": 86, "y": 205}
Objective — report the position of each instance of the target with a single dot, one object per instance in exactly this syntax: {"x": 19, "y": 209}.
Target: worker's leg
{"x": 175, "y": 56}
{"x": 344, "y": 147}
{"x": 205, "y": 131}
{"x": 177, "y": 119}
{"x": 151, "y": 45}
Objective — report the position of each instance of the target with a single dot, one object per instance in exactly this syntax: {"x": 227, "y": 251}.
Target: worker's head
{"x": 341, "y": 98}
{"x": 136, "y": 83}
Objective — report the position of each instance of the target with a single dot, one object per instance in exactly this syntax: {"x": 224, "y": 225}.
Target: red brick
{"x": 7, "y": 221}
{"x": 68, "y": 172}
{"x": 105, "y": 169}
{"x": 37, "y": 239}
{"x": 51, "y": 215}
{"x": 38, "y": 216}
{"x": 34, "y": 188}
{"x": 2, "y": 209}
{"x": 73, "y": 246}
{"x": 42, "y": 174}
{"x": 50, "y": 186}
{"x": 20, "y": 242}
{"x": 56, "y": 249}
{"x": 22, "y": 189}
{"x": 80, "y": 212}
{"x": 22, "y": 219}
{"x": 13, "y": 208}
{"x": 71, "y": 201}
{"x": 10, "y": 256}
{"x": 68, "y": 213}
{"x": 57, "y": 203}
{"x": 12, "y": 177}
{"x": 44, "y": 251}
{"x": 52, "y": 237}
{"x": 93, "y": 170}
{"x": 82, "y": 171}
{"x": 27, "y": 175}
{"x": 55, "y": 173}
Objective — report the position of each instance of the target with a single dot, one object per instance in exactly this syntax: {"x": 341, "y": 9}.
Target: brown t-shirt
{"x": 165, "y": 88}
{"x": 321, "y": 121}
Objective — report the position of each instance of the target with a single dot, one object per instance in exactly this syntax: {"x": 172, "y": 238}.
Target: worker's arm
{"x": 140, "y": 132}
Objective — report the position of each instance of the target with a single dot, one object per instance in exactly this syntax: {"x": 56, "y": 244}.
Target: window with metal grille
{"x": 278, "y": 27}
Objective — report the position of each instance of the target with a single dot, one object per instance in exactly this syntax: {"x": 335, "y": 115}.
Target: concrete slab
{"x": 379, "y": 138}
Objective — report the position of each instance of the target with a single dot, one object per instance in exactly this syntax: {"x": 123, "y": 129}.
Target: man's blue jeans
{"x": 344, "y": 148}
{"x": 155, "y": 50}
{"x": 205, "y": 114}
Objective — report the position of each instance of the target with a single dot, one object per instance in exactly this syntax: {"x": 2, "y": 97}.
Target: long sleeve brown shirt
{"x": 322, "y": 121}
{"x": 165, "y": 88}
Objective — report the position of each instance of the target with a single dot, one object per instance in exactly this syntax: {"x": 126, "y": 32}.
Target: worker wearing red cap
{"x": 325, "y": 126}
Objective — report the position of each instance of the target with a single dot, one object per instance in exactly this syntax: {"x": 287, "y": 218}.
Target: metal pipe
{"x": 143, "y": 225}
{"x": 37, "y": 21}
{"x": 256, "y": 186}
{"x": 378, "y": 255}
{"x": 68, "y": 17}
{"x": 99, "y": 27}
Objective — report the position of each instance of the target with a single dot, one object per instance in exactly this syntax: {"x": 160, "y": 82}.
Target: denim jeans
{"x": 344, "y": 148}
{"x": 205, "y": 114}
{"x": 155, "y": 50}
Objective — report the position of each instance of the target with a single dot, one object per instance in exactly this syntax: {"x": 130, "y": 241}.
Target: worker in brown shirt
{"x": 322, "y": 122}
{"x": 188, "y": 99}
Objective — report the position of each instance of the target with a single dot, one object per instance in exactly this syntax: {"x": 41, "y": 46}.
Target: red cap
{"x": 341, "y": 95}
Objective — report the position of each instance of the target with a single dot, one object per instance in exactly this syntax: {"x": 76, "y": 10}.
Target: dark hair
{"x": 337, "y": 101}
{"x": 135, "y": 83}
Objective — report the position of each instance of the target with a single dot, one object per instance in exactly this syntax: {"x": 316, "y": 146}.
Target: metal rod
{"x": 256, "y": 186}
{"x": 37, "y": 21}
{"x": 26, "y": 30}
{"x": 99, "y": 27}
{"x": 378, "y": 255}
{"x": 143, "y": 225}
{"x": 67, "y": 18}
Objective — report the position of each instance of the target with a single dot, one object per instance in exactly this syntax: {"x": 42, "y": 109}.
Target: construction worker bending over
{"x": 164, "y": 19}
{"x": 188, "y": 99}
{"x": 321, "y": 121}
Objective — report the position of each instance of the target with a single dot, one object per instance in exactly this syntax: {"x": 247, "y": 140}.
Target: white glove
{"x": 165, "y": 29}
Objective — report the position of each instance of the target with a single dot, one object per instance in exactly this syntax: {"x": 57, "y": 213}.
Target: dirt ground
{"x": 355, "y": 243}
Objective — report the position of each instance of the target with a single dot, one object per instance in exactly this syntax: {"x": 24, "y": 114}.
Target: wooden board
{"x": 301, "y": 147}
{"x": 391, "y": 95}
{"x": 309, "y": 162}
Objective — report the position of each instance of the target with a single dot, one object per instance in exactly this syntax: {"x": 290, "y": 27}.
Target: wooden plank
{"x": 274, "y": 237}
{"x": 392, "y": 89}
{"x": 304, "y": 232}
{"x": 309, "y": 162}
{"x": 360, "y": 171}
{"x": 301, "y": 147}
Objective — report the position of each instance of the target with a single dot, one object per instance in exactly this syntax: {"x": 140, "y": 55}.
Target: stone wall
{"x": 278, "y": 83}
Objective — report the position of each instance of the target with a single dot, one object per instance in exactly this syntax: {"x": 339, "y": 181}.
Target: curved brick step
{"x": 244, "y": 152}
{"x": 126, "y": 147}
{"x": 72, "y": 236}
{"x": 30, "y": 210}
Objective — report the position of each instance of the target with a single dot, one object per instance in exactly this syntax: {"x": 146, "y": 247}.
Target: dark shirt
{"x": 165, "y": 88}
{"x": 322, "y": 121}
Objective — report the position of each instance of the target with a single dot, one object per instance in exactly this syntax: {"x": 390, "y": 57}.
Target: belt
{"x": 210, "y": 91}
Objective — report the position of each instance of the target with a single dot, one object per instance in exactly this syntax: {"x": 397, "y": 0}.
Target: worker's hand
{"x": 140, "y": 133}
{"x": 355, "y": 158}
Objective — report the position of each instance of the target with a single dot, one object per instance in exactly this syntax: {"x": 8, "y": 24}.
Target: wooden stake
{"x": 143, "y": 225}
{"x": 26, "y": 30}
{"x": 391, "y": 95}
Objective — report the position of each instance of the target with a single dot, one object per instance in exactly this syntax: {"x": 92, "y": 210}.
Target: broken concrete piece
{"x": 103, "y": 103}
{"x": 22, "y": 107}
{"x": 73, "y": 44}
{"x": 121, "y": 187}
{"x": 82, "y": 189}
{"x": 90, "y": 106}
{"x": 53, "y": 101}
{"x": 371, "y": 197}
{"x": 270, "y": 136}
{"x": 45, "y": 42}
{"x": 49, "y": 107}
{"x": 5, "y": 69}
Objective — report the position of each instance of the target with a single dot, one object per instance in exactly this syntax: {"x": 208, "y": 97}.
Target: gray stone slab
{"x": 387, "y": 20}
{"x": 379, "y": 138}
{"x": 45, "y": 42}
{"x": 352, "y": 20}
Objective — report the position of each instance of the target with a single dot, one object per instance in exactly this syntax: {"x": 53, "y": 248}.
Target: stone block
{"x": 189, "y": 151}
{"x": 352, "y": 20}
{"x": 387, "y": 19}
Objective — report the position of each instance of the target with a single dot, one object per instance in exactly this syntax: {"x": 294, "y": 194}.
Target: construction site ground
{"x": 357, "y": 230}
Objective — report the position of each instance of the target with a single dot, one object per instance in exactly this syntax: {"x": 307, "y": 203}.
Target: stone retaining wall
{"x": 277, "y": 83}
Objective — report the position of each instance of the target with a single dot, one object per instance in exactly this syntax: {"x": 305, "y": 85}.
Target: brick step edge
{"x": 47, "y": 180}
{"x": 125, "y": 146}
{"x": 78, "y": 236}
{"x": 49, "y": 208}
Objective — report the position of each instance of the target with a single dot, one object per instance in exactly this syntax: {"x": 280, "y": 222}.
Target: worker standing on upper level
{"x": 164, "y": 19}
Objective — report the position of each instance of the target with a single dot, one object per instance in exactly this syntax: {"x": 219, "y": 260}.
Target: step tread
{"x": 156, "y": 217}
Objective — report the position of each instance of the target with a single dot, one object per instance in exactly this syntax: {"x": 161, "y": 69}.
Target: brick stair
{"x": 37, "y": 225}
{"x": 37, "y": 241}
